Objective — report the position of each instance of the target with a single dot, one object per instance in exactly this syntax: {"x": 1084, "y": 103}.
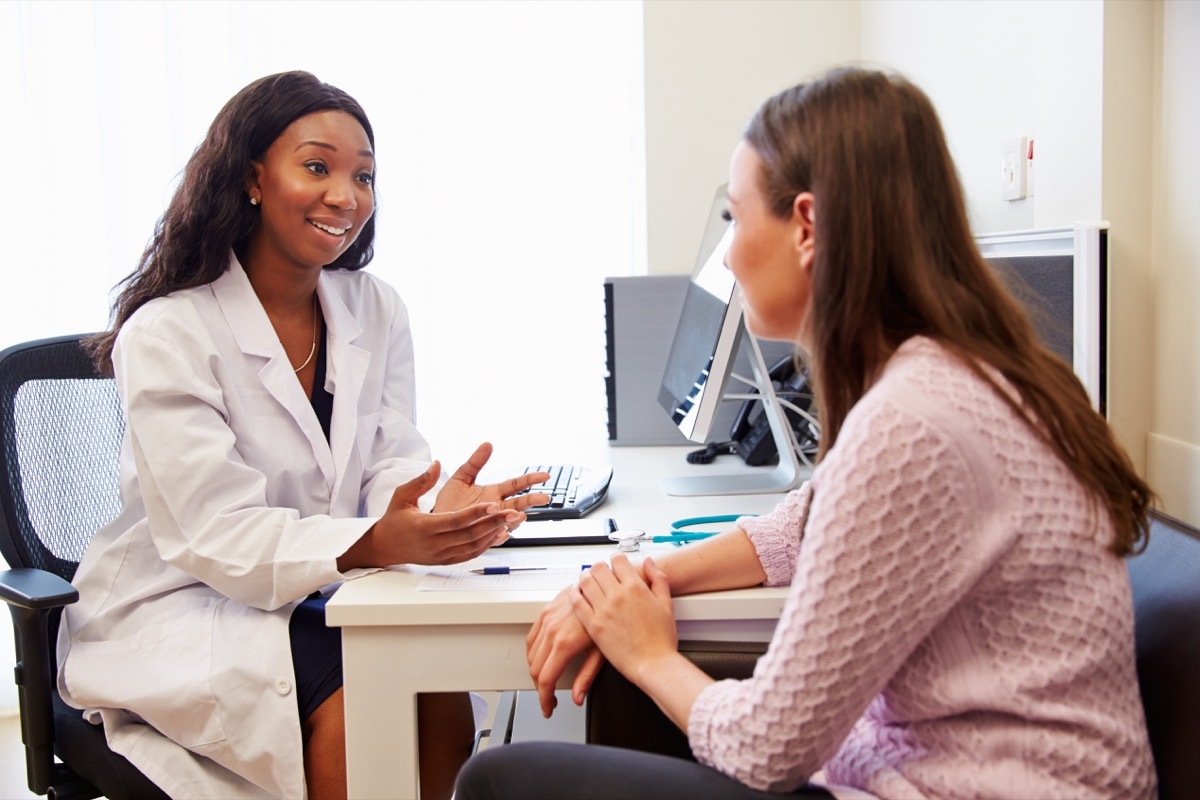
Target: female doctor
{"x": 269, "y": 452}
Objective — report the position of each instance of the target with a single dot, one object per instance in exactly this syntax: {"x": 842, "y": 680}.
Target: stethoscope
{"x": 630, "y": 540}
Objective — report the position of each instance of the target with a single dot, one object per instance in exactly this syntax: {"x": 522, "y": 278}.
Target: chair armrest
{"x": 32, "y": 596}
{"x": 35, "y": 589}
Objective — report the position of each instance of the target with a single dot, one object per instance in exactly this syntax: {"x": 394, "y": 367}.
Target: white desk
{"x": 397, "y": 642}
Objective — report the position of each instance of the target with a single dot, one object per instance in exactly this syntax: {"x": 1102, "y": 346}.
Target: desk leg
{"x": 386, "y": 667}
{"x": 381, "y": 717}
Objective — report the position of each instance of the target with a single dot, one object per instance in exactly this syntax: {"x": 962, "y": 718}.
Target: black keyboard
{"x": 573, "y": 490}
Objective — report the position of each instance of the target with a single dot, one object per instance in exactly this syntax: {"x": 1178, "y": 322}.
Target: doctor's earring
{"x": 253, "y": 201}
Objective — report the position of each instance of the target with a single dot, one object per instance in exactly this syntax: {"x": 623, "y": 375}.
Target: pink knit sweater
{"x": 956, "y": 627}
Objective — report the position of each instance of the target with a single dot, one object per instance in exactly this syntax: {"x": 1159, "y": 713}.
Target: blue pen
{"x": 508, "y": 570}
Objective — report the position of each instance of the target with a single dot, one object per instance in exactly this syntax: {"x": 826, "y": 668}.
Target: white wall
{"x": 708, "y": 67}
{"x": 1173, "y": 450}
{"x": 1127, "y": 131}
{"x": 949, "y": 50}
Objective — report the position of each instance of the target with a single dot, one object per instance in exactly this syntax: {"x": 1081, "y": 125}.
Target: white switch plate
{"x": 1012, "y": 177}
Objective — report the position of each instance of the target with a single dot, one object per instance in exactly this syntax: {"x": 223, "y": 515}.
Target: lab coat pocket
{"x": 161, "y": 674}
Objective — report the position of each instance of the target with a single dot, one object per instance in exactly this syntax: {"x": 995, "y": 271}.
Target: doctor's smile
{"x": 330, "y": 229}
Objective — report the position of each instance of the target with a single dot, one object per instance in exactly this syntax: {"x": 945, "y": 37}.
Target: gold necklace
{"x": 314, "y": 344}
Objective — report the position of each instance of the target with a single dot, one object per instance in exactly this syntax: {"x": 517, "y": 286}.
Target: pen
{"x": 507, "y": 570}
{"x": 682, "y": 537}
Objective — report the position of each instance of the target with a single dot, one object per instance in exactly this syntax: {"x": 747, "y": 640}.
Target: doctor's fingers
{"x": 463, "y": 518}
{"x": 522, "y": 482}
{"x": 472, "y": 540}
{"x": 470, "y": 470}
{"x": 407, "y": 494}
{"x": 459, "y": 546}
{"x": 527, "y": 501}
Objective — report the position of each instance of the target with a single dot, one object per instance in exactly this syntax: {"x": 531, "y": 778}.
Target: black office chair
{"x": 60, "y": 441}
{"x": 1166, "y": 603}
{"x": 1166, "y": 609}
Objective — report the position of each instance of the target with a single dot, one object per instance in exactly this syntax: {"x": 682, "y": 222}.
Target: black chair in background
{"x": 1166, "y": 609}
{"x": 60, "y": 441}
{"x": 1166, "y": 604}
{"x": 621, "y": 715}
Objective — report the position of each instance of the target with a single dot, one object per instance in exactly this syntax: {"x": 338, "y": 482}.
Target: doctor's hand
{"x": 407, "y": 535}
{"x": 461, "y": 490}
{"x": 554, "y": 640}
{"x": 627, "y": 612}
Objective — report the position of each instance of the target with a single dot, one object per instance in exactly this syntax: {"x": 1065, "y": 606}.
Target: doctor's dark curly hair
{"x": 210, "y": 214}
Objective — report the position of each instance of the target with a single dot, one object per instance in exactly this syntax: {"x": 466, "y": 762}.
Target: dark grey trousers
{"x": 567, "y": 771}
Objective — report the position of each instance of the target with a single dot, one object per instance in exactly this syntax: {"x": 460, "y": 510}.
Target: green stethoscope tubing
{"x": 677, "y": 527}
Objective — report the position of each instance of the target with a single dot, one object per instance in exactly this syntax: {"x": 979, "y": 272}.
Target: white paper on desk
{"x": 562, "y": 570}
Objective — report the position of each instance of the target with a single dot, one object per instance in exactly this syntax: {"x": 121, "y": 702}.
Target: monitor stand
{"x": 783, "y": 477}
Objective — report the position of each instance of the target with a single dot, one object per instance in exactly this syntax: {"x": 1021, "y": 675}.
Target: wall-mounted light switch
{"x": 1013, "y": 164}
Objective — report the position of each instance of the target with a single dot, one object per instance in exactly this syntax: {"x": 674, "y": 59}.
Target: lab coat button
{"x": 282, "y": 686}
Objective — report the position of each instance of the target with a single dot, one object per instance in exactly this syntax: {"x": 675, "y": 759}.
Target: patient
{"x": 269, "y": 452}
{"x": 959, "y": 623}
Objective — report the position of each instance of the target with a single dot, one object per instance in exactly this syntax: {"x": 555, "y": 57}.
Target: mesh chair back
{"x": 60, "y": 440}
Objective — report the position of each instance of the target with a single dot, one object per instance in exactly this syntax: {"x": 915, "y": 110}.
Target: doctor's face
{"x": 314, "y": 187}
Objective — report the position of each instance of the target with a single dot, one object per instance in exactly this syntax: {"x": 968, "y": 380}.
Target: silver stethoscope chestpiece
{"x": 629, "y": 541}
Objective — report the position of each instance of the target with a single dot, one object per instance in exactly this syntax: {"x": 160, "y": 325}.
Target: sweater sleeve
{"x": 897, "y": 532}
{"x": 776, "y": 536}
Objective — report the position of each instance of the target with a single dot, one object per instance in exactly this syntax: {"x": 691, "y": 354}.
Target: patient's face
{"x": 764, "y": 255}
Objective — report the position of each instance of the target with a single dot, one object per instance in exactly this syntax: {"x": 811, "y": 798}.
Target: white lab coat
{"x": 234, "y": 509}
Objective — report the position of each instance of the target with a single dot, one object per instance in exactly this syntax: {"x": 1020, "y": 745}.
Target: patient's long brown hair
{"x": 898, "y": 259}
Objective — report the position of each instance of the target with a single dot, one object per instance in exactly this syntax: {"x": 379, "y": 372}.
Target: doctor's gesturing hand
{"x": 461, "y": 490}
{"x": 407, "y": 535}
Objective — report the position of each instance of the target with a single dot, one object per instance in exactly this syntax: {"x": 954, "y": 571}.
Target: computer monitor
{"x": 698, "y": 369}
{"x": 1062, "y": 276}
{"x": 706, "y": 337}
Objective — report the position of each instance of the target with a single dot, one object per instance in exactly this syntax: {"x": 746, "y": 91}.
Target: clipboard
{"x": 545, "y": 533}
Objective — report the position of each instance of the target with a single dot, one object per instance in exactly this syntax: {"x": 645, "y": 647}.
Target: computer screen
{"x": 1061, "y": 274}
{"x": 707, "y": 335}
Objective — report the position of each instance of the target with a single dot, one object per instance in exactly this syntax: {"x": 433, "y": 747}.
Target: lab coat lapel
{"x": 344, "y": 380}
{"x": 256, "y": 338}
